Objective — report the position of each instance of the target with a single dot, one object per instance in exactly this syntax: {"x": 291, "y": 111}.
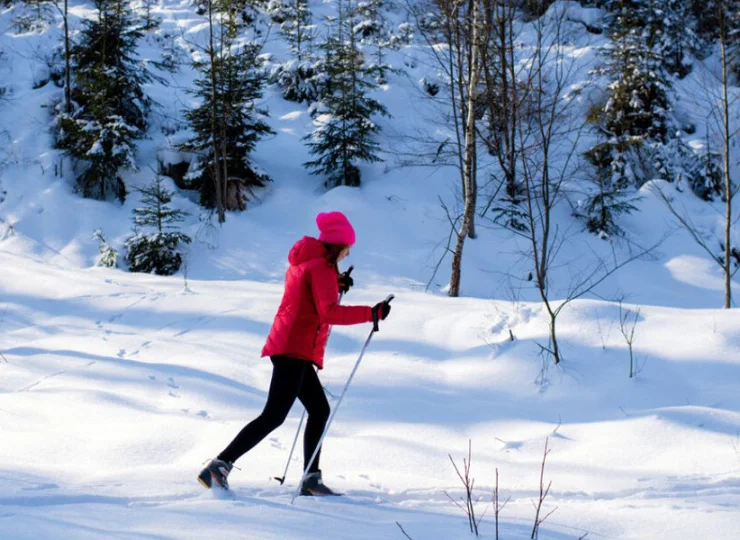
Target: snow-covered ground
{"x": 116, "y": 387}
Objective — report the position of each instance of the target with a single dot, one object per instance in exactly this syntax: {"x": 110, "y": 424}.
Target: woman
{"x": 296, "y": 343}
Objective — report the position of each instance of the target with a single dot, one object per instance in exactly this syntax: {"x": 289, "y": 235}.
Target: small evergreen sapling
{"x": 157, "y": 251}
{"x": 108, "y": 254}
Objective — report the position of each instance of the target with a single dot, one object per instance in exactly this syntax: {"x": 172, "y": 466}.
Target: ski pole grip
{"x": 387, "y": 300}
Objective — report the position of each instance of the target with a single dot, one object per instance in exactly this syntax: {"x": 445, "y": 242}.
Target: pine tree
{"x": 298, "y": 30}
{"x": 711, "y": 15}
{"x": 344, "y": 132}
{"x": 156, "y": 251}
{"x": 372, "y": 28}
{"x": 634, "y": 121}
{"x": 672, "y": 33}
{"x": 299, "y": 77}
{"x": 227, "y": 123}
{"x": 638, "y": 102}
{"x": 111, "y": 111}
{"x": 669, "y": 27}
{"x": 36, "y": 18}
{"x": 707, "y": 15}
{"x": 150, "y": 21}
{"x": 612, "y": 194}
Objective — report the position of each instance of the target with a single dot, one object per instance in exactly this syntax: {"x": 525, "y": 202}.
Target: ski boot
{"x": 314, "y": 485}
{"x": 215, "y": 472}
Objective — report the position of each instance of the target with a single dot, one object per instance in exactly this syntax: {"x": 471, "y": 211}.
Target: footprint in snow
{"x": 121, "y": 353}
{"x": 202, "y": 413}
{"x": 510, "y": 445}
{"x": 275, "y": 442}
{"x": 171, "y": 383}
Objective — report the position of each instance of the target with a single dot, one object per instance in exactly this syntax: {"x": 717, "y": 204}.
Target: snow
{"x": 116, "y": 387}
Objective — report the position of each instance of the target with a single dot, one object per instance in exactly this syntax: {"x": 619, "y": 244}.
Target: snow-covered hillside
{"x": 116, "y": 387}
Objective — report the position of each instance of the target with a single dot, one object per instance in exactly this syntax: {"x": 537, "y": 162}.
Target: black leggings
{"x": 291, "y": 378}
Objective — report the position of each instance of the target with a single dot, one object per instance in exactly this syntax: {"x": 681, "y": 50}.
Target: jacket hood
{"x": 306, "y": 249}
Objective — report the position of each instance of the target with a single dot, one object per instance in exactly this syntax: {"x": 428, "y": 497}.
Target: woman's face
{"x": 343, "y": 254}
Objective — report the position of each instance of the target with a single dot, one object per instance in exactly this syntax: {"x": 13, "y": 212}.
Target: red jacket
{"x": 310, "y": 306}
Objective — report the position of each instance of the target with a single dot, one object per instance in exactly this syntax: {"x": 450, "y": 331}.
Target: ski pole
{"x": 336, "y": 408}
{"x": 281, "y": 479}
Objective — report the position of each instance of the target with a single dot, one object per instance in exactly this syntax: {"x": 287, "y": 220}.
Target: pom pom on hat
{"x": 335, "y": 228}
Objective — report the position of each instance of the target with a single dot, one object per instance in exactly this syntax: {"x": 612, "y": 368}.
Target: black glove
{"x": 345, "y": 281}
{"x": 381, "y": 311}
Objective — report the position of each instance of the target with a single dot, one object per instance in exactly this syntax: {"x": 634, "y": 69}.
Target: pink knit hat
{"x": 335, "y": 228}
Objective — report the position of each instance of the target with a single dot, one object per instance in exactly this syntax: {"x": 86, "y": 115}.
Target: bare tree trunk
{"x": 722, "y": 129}
{"x": 452, "y": 39}
{"x": 214, "y": 133}
{"x": 510, "y": 110}
{"x": 503, "y": 114}
{"x": 469, "y": 160}
{"x": 472, "y": 199}
{"x": 225, "y": 109}
{"x": 728, "y": 182}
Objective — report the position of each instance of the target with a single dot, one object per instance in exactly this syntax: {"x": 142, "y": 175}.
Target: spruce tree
{"x": 297, "y": 29}
{"x": 669, "y": 27}
{"x": 227, "y": 123}
{"x": 673, "y": 34}
{"x": 708, "y": 12}
{"x": 299, "y": 77}
{"x": 638, "y": 102}
{"x": 156, "y": 251}
{"x": 373, "y": 29}
{"x": 634, "y": 122}
{"x": 711, "y": 16}
{"x": 344, "y": 130}
{"x": 111, "y": 107}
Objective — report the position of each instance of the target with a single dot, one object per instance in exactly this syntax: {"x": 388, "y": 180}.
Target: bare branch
{"x": 404, "y": 532}
{"x": 544, "y": 492}
{"x": 685, "y": 223}
{"x": 453, "y": 230}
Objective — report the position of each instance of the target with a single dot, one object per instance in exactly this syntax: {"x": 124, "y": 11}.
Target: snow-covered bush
{"x": 158, "y": 251}
{"x": 108, "y": 254}
{"x": 299, "y": 81}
